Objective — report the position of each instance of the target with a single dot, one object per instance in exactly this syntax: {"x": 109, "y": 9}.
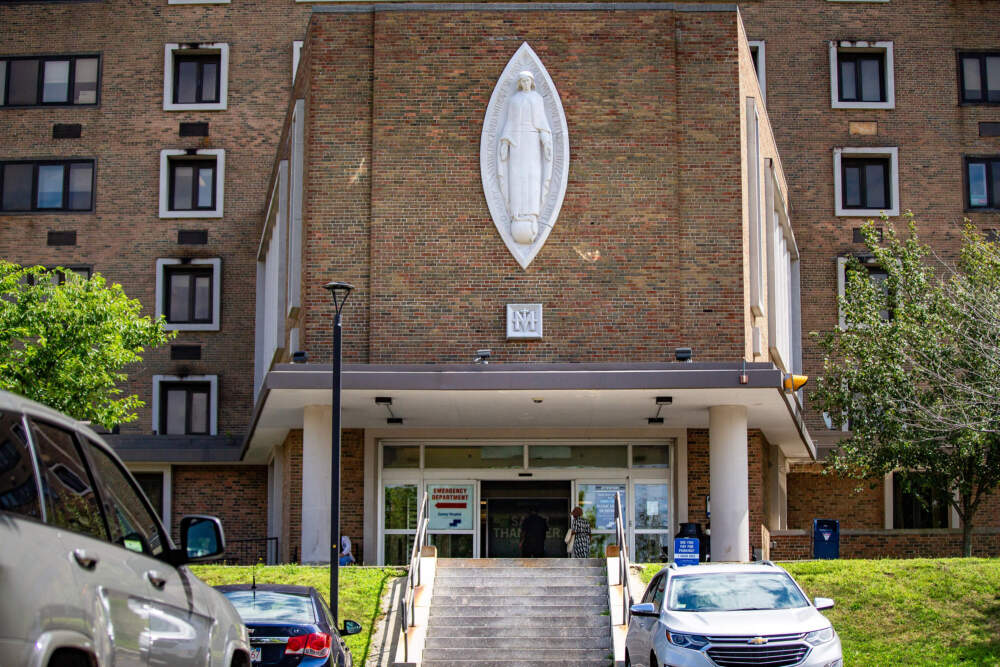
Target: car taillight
{"x": 315, "y": 645}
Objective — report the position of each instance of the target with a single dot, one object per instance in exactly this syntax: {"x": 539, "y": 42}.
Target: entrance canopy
{"x": 472, "y": 396}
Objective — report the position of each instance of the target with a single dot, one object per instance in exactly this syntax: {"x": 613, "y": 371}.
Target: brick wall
{"x": 352, "y": 514}
{"x": 797, "y": 545}
{"x": 815, "y": 495}
{"x": 647, "y": 252}
{"x": 237, "y": 494}
{"x": 699, "y": 484}
{"x": 757, "y": 453}
{"x": 124, "y": 236}
{"x": 291, "y": 489}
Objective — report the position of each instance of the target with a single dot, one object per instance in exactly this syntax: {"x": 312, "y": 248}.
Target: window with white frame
{"x": 754, "y": 204}
{"x": 295, "y": 180}
{"x": 188, "y": 293}
{"x": 782, "y": 288}
{"x": 191, "y": 183}
{"x": 759, "y": 65}
{"x": 876, "y": 274}
{"x": 861, "y": 75}
{"x": 296, "y": 55}
{"x": 185, "y": 405}
{"x": 195, "y": 77}
{"x": 866, "y": 181}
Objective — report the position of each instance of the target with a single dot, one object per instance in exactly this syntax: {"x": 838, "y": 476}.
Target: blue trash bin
{"x": 826, "y": 538}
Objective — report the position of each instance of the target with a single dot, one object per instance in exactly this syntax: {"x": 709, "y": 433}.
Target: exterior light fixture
{"x": 682, "y": 354}
{"x": 793, "y": 383}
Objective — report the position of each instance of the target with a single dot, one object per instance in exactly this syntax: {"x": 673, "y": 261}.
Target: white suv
{"x": 88, "y": 575}
{"x": 717, "y": 615}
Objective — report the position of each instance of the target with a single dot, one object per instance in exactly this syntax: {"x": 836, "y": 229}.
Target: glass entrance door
{"x": 452, "y": 518}
{"x": 651, "y": 521}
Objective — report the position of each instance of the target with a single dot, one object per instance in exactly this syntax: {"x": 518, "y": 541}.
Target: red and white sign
{"x": 450, "y": 506}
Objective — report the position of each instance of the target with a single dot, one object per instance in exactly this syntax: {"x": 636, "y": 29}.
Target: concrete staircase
{"x": 536, "y": 612}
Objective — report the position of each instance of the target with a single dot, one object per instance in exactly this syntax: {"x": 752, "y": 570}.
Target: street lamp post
{"x": 340, "y": 292}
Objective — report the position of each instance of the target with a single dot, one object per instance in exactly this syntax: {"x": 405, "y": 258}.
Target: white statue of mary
{"x": 524, "y": 169}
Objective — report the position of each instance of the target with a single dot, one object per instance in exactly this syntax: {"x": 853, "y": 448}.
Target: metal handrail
{"x": 623, "y": 563}
{"x": 407, "y": 608}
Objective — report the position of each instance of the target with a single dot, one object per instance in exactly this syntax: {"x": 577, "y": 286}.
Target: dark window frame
{"x": 40, "y": 83}
{"x": 201, "y": 58}
{"x": 992, "y": 162}
{"x": 856, "y": 57}
{"x": 173, "y": 162}
{"x": 848, "y": 160}
{"x": 60, "y": 275}
{"x": 988, "y": 97}
{"x": 199, "y": 270}
{"x": 190, "y": 388}
{"x": 66, "y": 162}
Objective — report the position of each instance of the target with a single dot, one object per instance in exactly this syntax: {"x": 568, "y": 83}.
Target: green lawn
{"x": 907, "y": 612}
{"x": 360, "y": 591}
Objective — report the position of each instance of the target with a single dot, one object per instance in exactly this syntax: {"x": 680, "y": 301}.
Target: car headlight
{"x": 818, "y": 637}
{"x": 693, "y": 642}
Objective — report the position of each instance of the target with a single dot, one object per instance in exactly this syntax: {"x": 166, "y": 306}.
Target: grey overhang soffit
{"x": 498, "y": 376}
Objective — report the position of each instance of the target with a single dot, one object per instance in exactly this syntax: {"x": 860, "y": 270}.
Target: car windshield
{"x": 272, "y": 607}
{"x": 734, "y": 591}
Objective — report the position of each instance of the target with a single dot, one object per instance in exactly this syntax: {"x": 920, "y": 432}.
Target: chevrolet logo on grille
{"x": 757, "y": 641}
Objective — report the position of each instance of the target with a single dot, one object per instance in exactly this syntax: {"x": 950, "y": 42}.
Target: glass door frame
{"x": 421, "y": 476}
{"x": 474, "y": 510}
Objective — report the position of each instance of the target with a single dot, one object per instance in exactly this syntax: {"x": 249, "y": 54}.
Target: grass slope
{"x": 360, "y": 591}
{"x": 907, "y": 612}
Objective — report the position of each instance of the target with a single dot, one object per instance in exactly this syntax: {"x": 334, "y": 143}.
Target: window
{"x": 980, "y": 77}
{"x": 185, "y": 406}
{"x": 982, "y": 178}
{"x": 296, "y": 54}
{"x": 58, "y": 275}
{"x": 188, "y": 293}
{"x": 47, "y": 185}
{"x": 18, "y": 486}
{"x": 876, "y": 273}
{"x": 49, "y": 80}
{"x": 191, "y": 183}
{"x": 866, "y": 181}
{"x": 861, "y": 75}
{"x": 759, "y": 62}
{"x": 917, "y": 503}
{"x": 69, "y": 495}
{"x": 195, "y": 77}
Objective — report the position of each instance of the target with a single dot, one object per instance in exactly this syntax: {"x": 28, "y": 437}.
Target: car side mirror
{"x": 350, "y": 628}
{"x": 643, "y": 609}
{"x": 823, "y": 603}
{"x": 201, "y": 539}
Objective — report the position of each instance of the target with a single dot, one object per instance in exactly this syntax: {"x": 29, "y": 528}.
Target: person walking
{"x": 533, "y": 530}
{"x": 581, "y": 534}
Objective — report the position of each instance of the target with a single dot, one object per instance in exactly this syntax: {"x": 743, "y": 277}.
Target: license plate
{"x": 254, "y": 654}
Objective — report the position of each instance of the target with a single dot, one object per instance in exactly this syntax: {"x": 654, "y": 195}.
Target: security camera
{"x": 482, "y": 357}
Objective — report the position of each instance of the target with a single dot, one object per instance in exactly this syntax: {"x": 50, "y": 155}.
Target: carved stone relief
{"x": 524, "y": 155}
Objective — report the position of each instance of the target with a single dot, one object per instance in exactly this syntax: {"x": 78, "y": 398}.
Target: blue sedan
{"x": 290, "y": 626}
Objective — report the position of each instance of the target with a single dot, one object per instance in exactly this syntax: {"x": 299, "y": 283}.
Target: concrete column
{"x": 728, "y": 470}
{"x": 316, "y": 446}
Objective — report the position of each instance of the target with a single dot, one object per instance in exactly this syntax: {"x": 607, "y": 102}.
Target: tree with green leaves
{"x": 65, "y": 339}
{"x": 914, "y": 371}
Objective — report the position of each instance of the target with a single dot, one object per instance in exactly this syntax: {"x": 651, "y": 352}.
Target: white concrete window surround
{"x": 295, "y": 181}
{"x": 890, "y": 152}
{"x": 215, "y": 155}
{"x": 755, "y": 202}
{"x": 172, "y": 50}
{"x": 213, "y": 398}
{"x": 757, "y": 50}
{"x": 888, "y": 79}
{"x": 198, "y": 2}
{"x": 161, "y": 291}
{"x": 165, "y": 470}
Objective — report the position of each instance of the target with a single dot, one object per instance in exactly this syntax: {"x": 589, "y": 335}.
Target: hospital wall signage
{"x": 450, "y": 506}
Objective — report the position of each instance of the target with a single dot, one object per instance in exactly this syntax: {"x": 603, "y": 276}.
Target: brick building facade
{"x": 349, "y": 138}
